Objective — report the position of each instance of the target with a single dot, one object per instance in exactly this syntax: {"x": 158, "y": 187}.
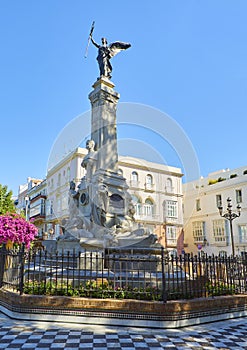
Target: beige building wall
{"x": 204, "y": 227}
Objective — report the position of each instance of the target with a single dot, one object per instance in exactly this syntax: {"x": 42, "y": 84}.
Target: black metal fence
{"x": 146, "y": 274}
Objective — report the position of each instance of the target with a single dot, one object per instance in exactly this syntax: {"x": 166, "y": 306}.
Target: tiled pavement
{"x": 17, "y": 334}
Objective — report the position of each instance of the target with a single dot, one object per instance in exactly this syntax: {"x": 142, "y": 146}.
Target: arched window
{"x": 169, "y": 187}
{"x": 58, "y": 209}
{"x": 59, "y": 179}
{"x": 148, "y": 208}
{"x": 134, "y": 179}
{"x": 149, "y": 182}
{"x": 68, "y": 173}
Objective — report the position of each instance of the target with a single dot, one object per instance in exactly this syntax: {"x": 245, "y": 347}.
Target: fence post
{"x": 22, "y": 262}
{"x": 2, "y": 262}
{"x": 164, "y": 293}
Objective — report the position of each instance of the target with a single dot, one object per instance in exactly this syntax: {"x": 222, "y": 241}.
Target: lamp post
{"x": 230, "y": 216}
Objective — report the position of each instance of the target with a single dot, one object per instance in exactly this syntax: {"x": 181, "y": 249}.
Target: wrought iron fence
{"x": 146, "y": 274}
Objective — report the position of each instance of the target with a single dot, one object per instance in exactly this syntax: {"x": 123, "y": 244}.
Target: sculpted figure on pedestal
{"x": 106, "y": 52}
{"x": 73, "y": 201}
{"x": 89, "y": 161}
{"x": 100, "y": 205}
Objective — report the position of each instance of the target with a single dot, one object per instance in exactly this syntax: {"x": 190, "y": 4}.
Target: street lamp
{"x": 230, "y": 216}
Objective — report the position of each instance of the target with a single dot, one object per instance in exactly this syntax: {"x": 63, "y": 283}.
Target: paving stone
{"x": 33, "y": 335}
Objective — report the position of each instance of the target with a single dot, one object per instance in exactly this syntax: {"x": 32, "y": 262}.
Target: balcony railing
{"x": 169, "y": 189}
{"x": 149, "y": 187}
{"x": 134, "y": 183}
{"x": 144, "y": 211}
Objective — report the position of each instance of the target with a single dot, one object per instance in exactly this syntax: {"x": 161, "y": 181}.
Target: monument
{"x": 101, "y": 212}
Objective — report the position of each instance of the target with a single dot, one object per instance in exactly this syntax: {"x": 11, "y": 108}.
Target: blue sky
{"x": 188, "y": 59}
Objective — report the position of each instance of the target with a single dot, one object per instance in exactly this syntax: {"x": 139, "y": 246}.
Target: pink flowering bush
{"x": 15, "y": 229}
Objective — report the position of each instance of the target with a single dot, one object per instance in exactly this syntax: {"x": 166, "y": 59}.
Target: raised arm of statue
{"x": 95, "y": 44}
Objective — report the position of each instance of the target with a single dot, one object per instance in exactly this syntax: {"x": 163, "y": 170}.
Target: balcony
{"x": 149, "y": 187}
{"x": 37, "y": 213}
{"x": 200, "y": 241}
{"x": 169, "y": 190}
{"x": 171, "y": 220}
{"x": 37, "y": 196}
{"x": 145, "y": 212}
{"x": 171, "y": 243}
{"x": 134, "y": 184}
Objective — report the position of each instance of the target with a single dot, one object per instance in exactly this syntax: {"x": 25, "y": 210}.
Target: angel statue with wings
{"x": 105, "y": 53}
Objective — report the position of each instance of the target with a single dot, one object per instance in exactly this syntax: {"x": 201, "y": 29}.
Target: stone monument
{"x": 101, "y": 212}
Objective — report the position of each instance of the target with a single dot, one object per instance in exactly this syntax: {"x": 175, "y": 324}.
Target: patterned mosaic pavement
{"x": 17, "y": 334}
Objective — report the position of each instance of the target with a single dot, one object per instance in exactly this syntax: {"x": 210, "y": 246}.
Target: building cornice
{"x": 77, "y": 152}
{"x": 150, "y": 167}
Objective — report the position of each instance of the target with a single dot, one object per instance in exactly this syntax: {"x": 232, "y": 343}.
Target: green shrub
{"x": 219, "y": 288}
{"x": 92, "y": 289}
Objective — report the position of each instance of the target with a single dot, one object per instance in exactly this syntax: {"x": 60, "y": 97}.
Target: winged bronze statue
{"x": 106, "y": 52}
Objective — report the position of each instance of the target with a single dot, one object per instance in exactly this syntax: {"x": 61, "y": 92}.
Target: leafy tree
{"x": 6, "y": 201}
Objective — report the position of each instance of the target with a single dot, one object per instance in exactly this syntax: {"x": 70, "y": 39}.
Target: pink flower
{"x": 16, "y": 229}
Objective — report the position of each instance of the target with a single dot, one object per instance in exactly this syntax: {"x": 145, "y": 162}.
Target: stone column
{"x": 103, "y": 124}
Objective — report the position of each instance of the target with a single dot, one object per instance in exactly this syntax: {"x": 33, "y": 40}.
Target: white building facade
{"x": 156, "y": 190}
{"x": 205, "y": 229}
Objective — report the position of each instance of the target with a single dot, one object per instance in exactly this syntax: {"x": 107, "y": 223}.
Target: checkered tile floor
{"x": 30, "y": 335}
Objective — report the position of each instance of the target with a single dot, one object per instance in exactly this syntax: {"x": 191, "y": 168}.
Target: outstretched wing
{"x": 117, "y": 47}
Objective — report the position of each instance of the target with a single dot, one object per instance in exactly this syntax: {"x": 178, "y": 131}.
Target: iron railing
{"x": 146, "y": 274}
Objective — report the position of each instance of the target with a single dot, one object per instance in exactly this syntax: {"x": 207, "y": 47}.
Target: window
{"x": 58, "y": 204}
{"x": 171, "y": 235}
{"x": 242, "y": 233}
{"x": 198, "y": 229}
{"x": 42, "y": 208}
{"x": 48, "y": 207}
{"x": 35, "y": 208}
{"x": 169, "y": 187}
{"x": 137, "y": 205}
{"x": 148, "y": 208}
{"x": 171, "y": 209}
{"x": 68, "y": 174}
{"x": 134, "y": 178}
{"x": 218, "y": 200}
{"x": 219, "y": 230}
{"x": 239, "y": 196}
{"x": 198, "y": 205}
{"x": 149, "y": 181}
{"x": 59, "y": 179}
{"x": 64, "y": 201}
